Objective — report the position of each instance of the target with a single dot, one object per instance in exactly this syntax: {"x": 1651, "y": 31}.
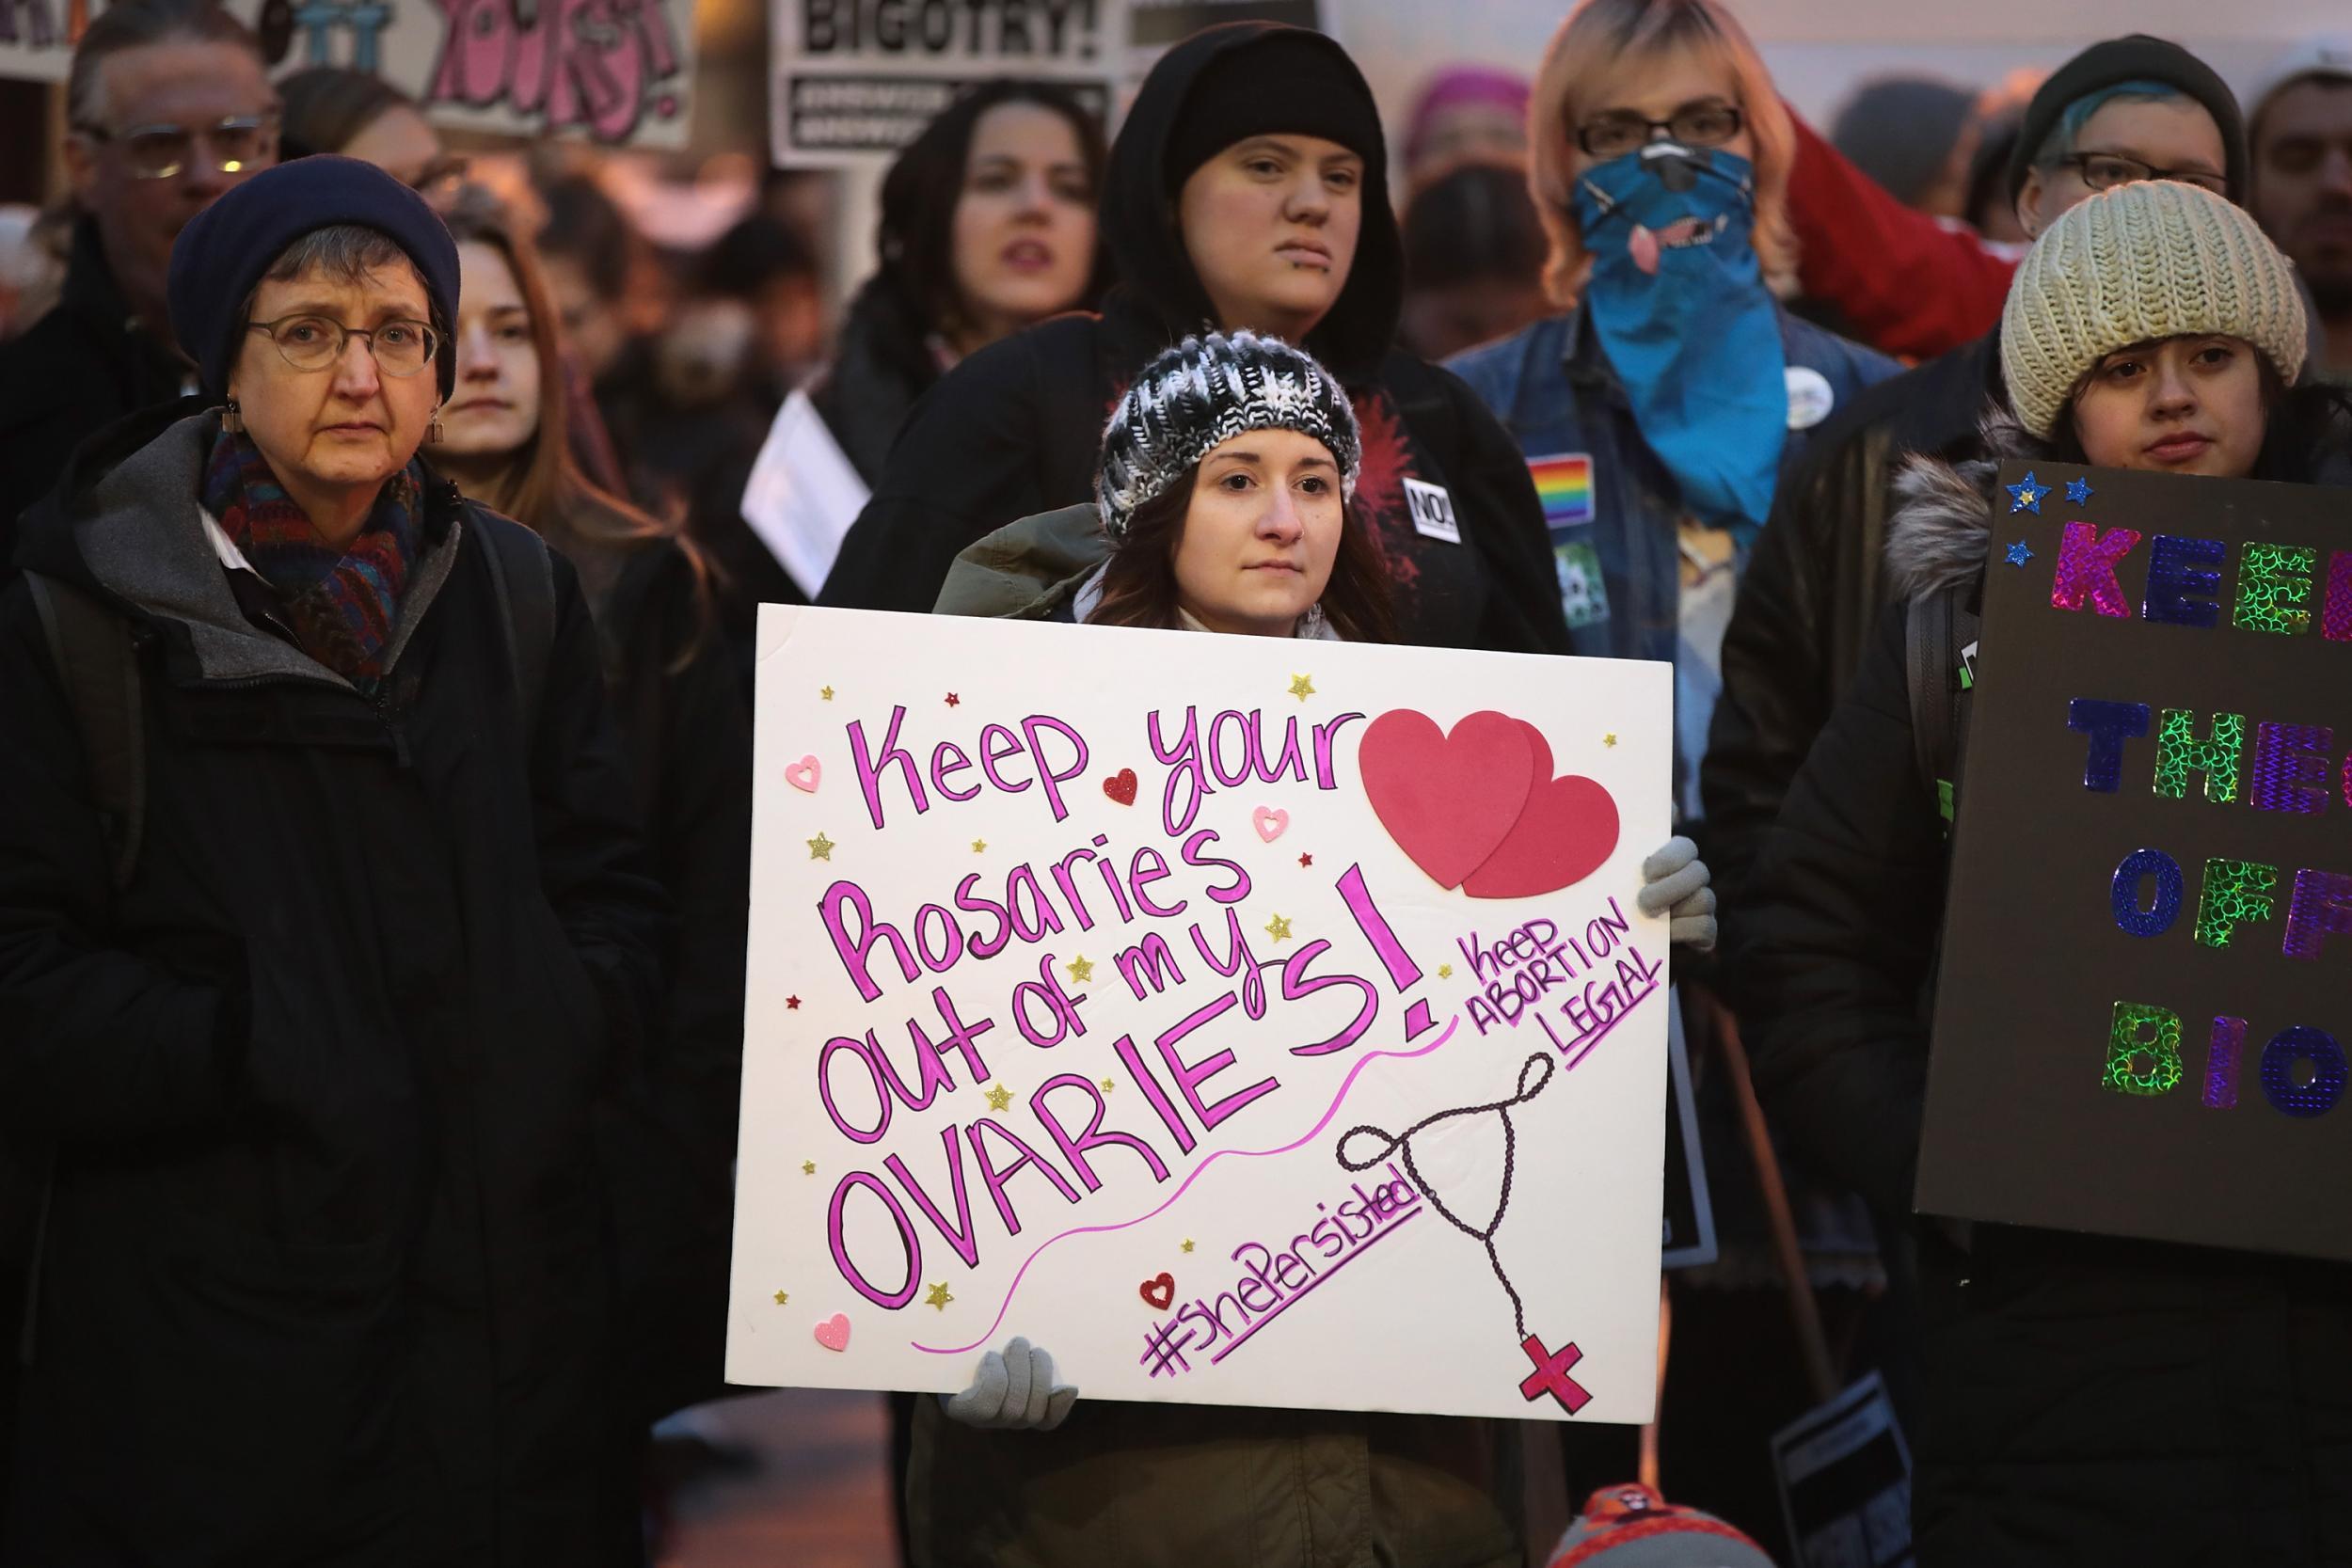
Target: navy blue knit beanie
{"x": 221, "y": 254}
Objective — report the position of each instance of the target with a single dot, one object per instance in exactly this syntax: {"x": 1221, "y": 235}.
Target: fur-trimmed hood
{"x": 1942, "y": 530}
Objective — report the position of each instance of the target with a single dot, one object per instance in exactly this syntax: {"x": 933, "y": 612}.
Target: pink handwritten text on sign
{"x": 599, "y": 65}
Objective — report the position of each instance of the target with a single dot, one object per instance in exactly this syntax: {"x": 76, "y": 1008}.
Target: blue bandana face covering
{"x": 1678, "y": 299}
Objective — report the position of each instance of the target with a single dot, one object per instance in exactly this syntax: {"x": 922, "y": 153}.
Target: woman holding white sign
{"x": 987, "y": 227}
{"x": 2087, "y": 1399}
{"x": 1225, "y": 502}
{"x": 1248, "y": 191}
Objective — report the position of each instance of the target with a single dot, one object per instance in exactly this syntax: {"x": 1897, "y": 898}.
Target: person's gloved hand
{"x": 1675, "y": 883}
{"x": 1014, "y": 1391}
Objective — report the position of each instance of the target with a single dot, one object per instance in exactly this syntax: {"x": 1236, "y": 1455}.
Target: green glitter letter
{"x": 2179, "y": 753}
{"x": 2234, "y": 892}
{"x": 2140, "y": 1030}
{"x": 2272, "y": 580}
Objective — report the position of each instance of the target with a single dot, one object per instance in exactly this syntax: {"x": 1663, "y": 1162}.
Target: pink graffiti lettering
{"x": 600, "y": 64}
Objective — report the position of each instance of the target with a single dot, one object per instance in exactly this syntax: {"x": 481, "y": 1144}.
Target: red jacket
{"x": 1907, "y": 284}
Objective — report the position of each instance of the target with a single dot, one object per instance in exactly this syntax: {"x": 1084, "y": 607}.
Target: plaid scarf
{"x": 343, "y": 606}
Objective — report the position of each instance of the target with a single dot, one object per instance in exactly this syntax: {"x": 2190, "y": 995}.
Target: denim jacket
{"x": 1612, "y": 508}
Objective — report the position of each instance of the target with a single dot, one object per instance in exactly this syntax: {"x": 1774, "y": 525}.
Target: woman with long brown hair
{"x": 675, "y": 696}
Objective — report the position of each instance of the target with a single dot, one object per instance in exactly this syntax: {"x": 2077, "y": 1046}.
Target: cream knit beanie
{"x": 2155, "y": 259}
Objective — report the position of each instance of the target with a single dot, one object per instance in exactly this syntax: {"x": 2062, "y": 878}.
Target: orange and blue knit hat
{"x": 1632, "y": 1526}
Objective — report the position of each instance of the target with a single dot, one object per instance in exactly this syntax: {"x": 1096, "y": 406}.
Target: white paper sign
{"x": 1247, "y": 1022}
{"x": 803, "y": 493}
{"x": 856, "y": 80}
{"x": 614, "y": 70}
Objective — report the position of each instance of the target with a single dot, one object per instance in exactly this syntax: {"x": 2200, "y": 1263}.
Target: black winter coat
{"x": 880, "y": 367}
{"x": 73, "y": 373}
{"x": 668, "y": 1144}
{"x": 1016, "y": 429}
{"x": 325, "y": 1277}
{"x": 1815, "y": 589}
{"x": 2085, "y": 1400}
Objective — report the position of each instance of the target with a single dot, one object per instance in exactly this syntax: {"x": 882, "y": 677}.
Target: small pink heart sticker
{"x": 804, "y": 774}
{"x": 1270, "y": 821}
{"x": 833, "y": 1332}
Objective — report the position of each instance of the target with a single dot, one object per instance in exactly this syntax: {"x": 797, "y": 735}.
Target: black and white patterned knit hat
{"x": 1205, "y": 391}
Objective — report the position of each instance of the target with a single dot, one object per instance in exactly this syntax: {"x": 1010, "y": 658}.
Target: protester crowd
{"x": 379, "y": 557}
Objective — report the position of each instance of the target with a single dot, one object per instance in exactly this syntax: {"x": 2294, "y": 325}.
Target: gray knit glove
{"x": 1674, "y": 881}
{"x": 1014, "y": 1391}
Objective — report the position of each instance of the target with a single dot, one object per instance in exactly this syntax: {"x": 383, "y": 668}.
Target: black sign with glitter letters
{"x": 2146, "y": 993}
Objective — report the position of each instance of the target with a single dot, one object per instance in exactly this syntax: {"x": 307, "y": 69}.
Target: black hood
{"x": 1156, "y": 278}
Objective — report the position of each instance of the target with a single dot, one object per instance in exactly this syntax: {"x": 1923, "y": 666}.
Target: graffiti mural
{"x": 603, "y": 66}
{"x": 616, "y": 70}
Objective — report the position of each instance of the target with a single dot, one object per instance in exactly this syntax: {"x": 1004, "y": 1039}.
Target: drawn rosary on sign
{"x": 1551, "y": 1366}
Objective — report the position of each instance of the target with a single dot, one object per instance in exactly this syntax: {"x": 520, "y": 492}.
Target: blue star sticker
{"x": 2077, "y": 491}
{"x": 2018, "y": 554}
{"x": 2026, "y": 496}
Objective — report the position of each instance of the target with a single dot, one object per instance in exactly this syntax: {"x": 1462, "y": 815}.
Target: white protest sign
{"x": 615, "y": 70}
{"x": 803, "y": 493}
{"x": 1247, "y": 1022}
{"x": 853, "y": 81}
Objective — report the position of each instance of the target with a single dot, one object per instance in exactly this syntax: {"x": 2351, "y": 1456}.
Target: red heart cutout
{"x": 1158, "y": 1291}
{"x": 1447, "y": 799}
{"x": 1566, "y": 831}
{"x": 1121, "y": 786}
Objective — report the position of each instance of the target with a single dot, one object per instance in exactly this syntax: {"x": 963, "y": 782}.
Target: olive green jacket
{"x": 1027, "y": 571}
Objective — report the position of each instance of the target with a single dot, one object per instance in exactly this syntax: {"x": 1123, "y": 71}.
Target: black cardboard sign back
{"x": 2022, "y": 1122}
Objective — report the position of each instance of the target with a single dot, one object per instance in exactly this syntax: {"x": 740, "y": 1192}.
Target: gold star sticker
{"x": 782, "y": 1298}
{"x": 1609, "y": 739}
{"x": 826, "y": 693}
{"x": 821, "y": 848}
{"x": 1109, "y": 1085}
{"x": 1445, "y": 972}
{"x": 998, "y": 1097}
{"x": 1081, "y": 969}
{"x": 1302, "y": 687}
{"x": 1187, "y": 1243}
{"x": 938, "y": 1297}
{"x": 979, "y": 846}
{"x": 1279, "y": 928}
{"x": 808, "y": 1167}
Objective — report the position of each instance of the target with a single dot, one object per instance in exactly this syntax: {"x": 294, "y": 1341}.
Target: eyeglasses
{"x": 2105, "y": 170}
{"x": 1708, "y": 122}
{"x": 236, "y": 145}
{"x": 315, "y": 342}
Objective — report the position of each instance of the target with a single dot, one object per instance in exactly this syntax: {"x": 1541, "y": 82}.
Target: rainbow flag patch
{"x": 1565, "y": 485}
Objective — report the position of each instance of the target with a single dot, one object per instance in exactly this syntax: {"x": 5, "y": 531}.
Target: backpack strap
{"x": 90, "y": 646}
{"x": 523, "y": 575}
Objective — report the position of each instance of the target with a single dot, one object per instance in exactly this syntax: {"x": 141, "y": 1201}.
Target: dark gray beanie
{"x": 1900, "y": 130}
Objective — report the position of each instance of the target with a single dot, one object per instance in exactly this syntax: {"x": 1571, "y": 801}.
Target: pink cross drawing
{"x": 1550, "y": 1375}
